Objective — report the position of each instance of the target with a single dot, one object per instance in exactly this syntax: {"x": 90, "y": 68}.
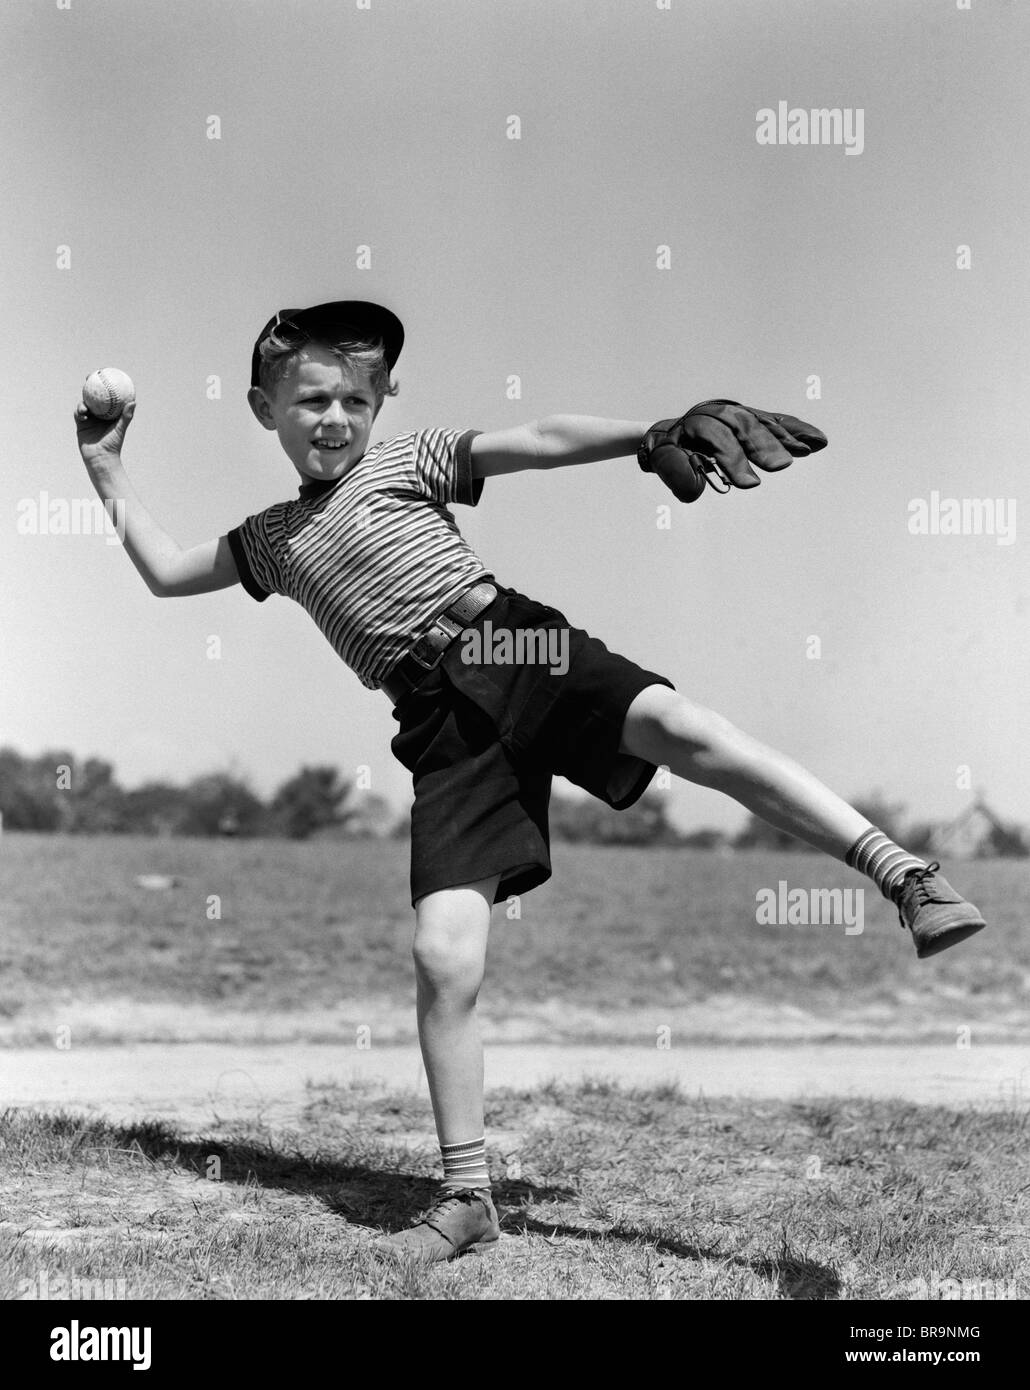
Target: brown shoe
{"x": 934, "y": 913}
{"x": 460, "y": 1219}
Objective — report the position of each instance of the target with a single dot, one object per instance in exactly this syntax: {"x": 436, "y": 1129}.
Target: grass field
{"x": 617, "y": 934}
{"x": 603, "y": 1193}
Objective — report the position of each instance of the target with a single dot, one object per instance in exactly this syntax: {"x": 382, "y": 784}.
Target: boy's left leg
{"x": 698, "y": 744}
{"x": 669, "y": 730}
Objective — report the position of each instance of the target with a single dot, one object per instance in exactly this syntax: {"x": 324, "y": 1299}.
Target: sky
{"x": 797, "y": 277}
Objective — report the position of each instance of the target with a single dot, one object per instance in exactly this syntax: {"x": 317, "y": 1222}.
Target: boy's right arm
{"x": 167, "y": 570}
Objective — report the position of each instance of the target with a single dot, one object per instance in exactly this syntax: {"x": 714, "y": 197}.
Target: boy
{"x": 372, "y": 552}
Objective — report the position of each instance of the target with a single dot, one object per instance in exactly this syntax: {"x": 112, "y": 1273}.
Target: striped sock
{"x": 464, "y": 1165}
{"x": 884, "y": 861}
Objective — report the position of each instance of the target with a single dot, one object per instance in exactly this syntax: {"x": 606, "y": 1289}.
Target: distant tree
{"x": 28, "y": 798}
{"x": 371, "y": 817}
{"x": 759, "y": 834}
{"x": 96, "y": 803}
{"x": 17, "y": 803}
{"x": 41, "y": 790}
{"x": 313, "y": 799}
{"x": 210, "y": 800}
{"x": 592, "y": 821}
{"x": 155, "y": 808}
{"x": 704, "y": 838}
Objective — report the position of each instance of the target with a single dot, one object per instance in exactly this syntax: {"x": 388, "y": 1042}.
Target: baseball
{"x": 107, "y": 391}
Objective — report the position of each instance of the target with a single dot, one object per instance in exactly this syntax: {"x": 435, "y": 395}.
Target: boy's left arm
{"x": 554, "y": 442}
{"x": 716, "y": 438}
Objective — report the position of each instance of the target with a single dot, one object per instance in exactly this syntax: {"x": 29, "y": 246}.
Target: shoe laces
{"x": 915, "y": 881}
{"x": 462, "y": 1196}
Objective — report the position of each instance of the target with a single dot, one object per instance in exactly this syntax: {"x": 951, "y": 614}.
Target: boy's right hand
{"x": 100, "y": 441}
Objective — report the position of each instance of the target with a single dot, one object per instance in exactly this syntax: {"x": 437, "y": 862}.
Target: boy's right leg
{"x": 451, "y": 931}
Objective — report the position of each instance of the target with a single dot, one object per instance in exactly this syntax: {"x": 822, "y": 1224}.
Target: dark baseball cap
{"x": 340, "y": 319}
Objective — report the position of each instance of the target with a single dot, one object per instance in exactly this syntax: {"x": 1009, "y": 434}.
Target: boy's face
{"x": 322, "y": 410}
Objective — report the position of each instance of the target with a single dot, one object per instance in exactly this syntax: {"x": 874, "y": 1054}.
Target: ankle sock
{"x": 885, "y": 862}
{"x": 464, "y": 1165}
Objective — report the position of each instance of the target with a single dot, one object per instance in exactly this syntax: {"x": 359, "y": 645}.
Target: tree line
{"x": 61, "y": 793}
{"x": 57, "y": 792}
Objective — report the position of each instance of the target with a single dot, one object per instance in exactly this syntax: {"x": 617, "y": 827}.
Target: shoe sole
{"x": 950, "y": 937}
{"x": 400, "y": 1252}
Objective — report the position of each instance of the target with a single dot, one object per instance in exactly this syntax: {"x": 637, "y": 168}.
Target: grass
{"x": 604, "y": 1192}
{"x": 272, "y": 925}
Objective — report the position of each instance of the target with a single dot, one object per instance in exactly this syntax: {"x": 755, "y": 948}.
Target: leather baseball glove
{"x": 721, "y": 440}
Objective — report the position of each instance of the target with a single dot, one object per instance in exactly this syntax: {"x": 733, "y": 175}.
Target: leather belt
{"x": 427, "y": 652}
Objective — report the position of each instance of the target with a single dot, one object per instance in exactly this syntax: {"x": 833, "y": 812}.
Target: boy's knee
{"x": 450, "y": 942}
{"x": 446, "y": 961}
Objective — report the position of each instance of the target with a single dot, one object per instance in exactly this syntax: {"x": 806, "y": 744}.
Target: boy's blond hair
{"x": 364, "y": 354}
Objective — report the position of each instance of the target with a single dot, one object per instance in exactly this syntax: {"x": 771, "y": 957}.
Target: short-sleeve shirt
{"x": 375, "y": 555}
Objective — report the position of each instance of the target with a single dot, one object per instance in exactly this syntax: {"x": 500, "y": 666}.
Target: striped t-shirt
{"x": 375, "y": 555}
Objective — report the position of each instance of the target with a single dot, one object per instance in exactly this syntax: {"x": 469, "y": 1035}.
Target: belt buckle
{"x": 440, "y": 629}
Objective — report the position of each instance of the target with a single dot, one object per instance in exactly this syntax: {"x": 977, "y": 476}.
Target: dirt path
{"x": 927, "y": 1020}
{"x": 193, "y": 1084}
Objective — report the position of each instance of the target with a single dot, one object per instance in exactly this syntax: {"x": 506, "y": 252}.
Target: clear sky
{"x": 387, "y": 127}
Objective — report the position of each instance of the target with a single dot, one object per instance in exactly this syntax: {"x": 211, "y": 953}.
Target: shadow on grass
{"x": 378, "y": 1198}
{"x": 361, "y": 1194}
{"x": 382, "y": 1199}
{"x": 794, "y": 1276}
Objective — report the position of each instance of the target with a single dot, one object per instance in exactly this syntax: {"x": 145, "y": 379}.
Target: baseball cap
{"x": 335, "y": 320}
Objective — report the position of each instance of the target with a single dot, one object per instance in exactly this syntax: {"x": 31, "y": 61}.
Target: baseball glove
{"x": 720, "y": 440}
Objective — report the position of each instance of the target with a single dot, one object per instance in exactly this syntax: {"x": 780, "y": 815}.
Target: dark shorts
{"x": 482, "y": 741}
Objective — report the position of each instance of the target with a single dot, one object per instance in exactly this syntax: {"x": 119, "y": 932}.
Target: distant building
{"x": 977, "y": 833}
